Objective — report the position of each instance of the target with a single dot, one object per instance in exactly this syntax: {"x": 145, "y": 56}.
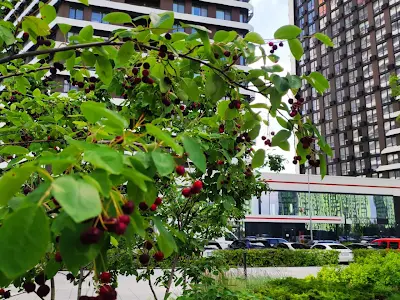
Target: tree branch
{"x": 152, "y": 289}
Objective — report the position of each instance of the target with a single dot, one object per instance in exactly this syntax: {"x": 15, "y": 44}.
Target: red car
{"x": 387, "y": 243}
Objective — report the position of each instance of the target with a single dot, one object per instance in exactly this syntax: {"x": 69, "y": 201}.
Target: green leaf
{"x": 318, "y": 81}
{"x": 191, "y": 89}
{"x": 117, "y": 18}
{"x": 74, "y": 253}
{"x": 195, "y": 152}
{"x": 281, "y": 83}
{"x": 137, "y": 224}
{"x": 95, "y": 112}
{"x": 284, "y": 145}
{"x": 52, "y": 268}
{"x": 253, "y": 134}
{"x": 11, "y": 182}
{"x": 104, "y": 69}
{"x": 79, "y": 199}
{"x": 101, "y": 176}
{"x": 161, "y": 23}
{"x": 287, "y": 32}
{"x": 105, "y": 158}
{"x": 14, "y": 150}
{"x": 164, "y": 162}
{"x": 322, "y": 166}
{"x": 35, "y": 25}
{"x": 65, "y": 28}
{"x": 165, "y": 240}
{"x": 296, "y": 48}
{"x": 7, "y": 36}
{"x": 294, "y": 81}
{"x": 48, "y": 13}
{"x": 88, "y": 58}
{"x": 25, "y": 235}
{"x": 258, "y": 159}
{"x": 165, "y": 137}
{"x": 255, "y": 38}
{"x": 157, "y": 71}
{"x": 215, "y": 87}
{"x": 324, "y": 39}
{"x": 86, "y": 2}
{"x": 273, "y": 69}
{"x": 86, "y": 33}
{"x": 282, "y": 135}
{"x": 125, "y": 53}
{"x": 283, "y": 122}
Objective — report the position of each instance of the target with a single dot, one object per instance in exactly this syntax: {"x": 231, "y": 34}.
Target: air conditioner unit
{"x": 344, "y": 70}
{"x": 388, "y": 35}
{"x": 354, "y": 8}
{"x": 336, "y": 160}
{"x": 343, "y": 42}
{"x": 322, "y": 120}
{"x": 346, "y": 98}
{"x": 364, "y": 139}
{"x": 365, "y": 154}
{"x": 359, "y": 78}
{"x": 319, "y": 67}
{"x": 335, "y": 130}
{"x": 371, "y": 28}
{"x": 356, "y": 35}
{"x": 342, "y": 56}
{"x": 354, "y": 22}
{"x": 361, "y": 108}
{"x": 350, "y": 157}
{"x": 373, "y": 57}
{"x": 331, "y": 75}
{"x": 332, "y": 103}
{"x": 376, "y": 88}
{"x": 344, "y": 84}
{"x": 360, "y": 93}
{"x": 347, "y": 127}
{"x": 358, "y": 64}
{"x": 357, "y": 49}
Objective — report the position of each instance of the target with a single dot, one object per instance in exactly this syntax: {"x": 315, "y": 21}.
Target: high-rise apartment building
{"x": 357, "y": 113}
{"x": 213, "y": 14}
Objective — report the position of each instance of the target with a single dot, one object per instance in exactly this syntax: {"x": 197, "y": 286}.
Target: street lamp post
{"x": 309, "y": 203}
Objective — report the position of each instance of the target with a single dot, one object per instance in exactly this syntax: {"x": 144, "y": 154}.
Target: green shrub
{"x": 361, "y": 254}
{"x": 278, "y": 257}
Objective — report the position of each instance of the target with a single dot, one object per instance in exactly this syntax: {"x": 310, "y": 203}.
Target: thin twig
{"x": 53, "y": 289}
{"x": 80, "y": 283}
{"x": 152, "y": 289}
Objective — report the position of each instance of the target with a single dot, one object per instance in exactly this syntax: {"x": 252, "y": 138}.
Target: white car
{"x": 345, "y": 254}
{"x": 225, "y": 241}
{"x": 208, "y": 250}
{"x": 292, "y": 246}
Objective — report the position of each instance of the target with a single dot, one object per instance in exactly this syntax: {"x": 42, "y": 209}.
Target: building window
{"x": 202, "y": 10}
{"x": 334, "y": 14}
{"x": 224, "y": 14}
{"x": 178, "y": 28}
{"x": 339, "y": 96}
{"x": 322, "y": 10}
{"x": 373, "y": 132}
{"x": 345, "y": 168}
{"x": 178, "y": 6}
{"x": 352, "y": 77}
{"x": 363, "y": 27}
{"x": 385, "y": 96}
{"x": 75, "y": 13}
{"x": 322, "y": 22}
{"x": 328, "y": 127}
{"x": 351, "y": 62}
{"x": 395, "y": 27}
{"x": 243, "y": 18}
{"x": 390, "y": 125}
{"x": 341, "y": 108}
{"x": 384, "y": 79}
{"x": 353, "y": 90}
{"x": 372, "y": 116}
{"x": 98, "y": 16}
{"x": 380, "y": 34}
{"x": 342, "y": 139}
{"x": 354, "y": 105}
{"x": 379, "y": 20}
{"x": 370, "y": 101}
{"x": 363, "y": 14}
{"x": 325, "y": 61}
{"x": 335, "y": 29}
{"x": 348, "y": 20}
{"x": 392, "y": 158}
{"x": 382, "y": 49}
{"x": 391, "y": 141}
{"x": 365, "y": 42}
{"x": 377, "y": 6}
{"x": 349, "y": 35}
{"x": 360, "y": 165}
{"x": 382, "y": 64}
{"x": 332, "y": 169}
{"x": 356, "y": 138}
{"x": 366, "y": 55}
{"x": 374, "y": 147}
{"x": 395, "y": 12}
{"x": 342, "y": 123}
{"x": 367, "y": 71}
{"x": 355, "y": 120}
{"x": 368, "y": 83}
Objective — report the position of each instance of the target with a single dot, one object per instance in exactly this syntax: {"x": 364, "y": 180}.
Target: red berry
{"x": 128, "y": 207}
{"x": 263, "y": 138}
{"x": 58, "y": 257}
{"x": 120, "y": 228}
{"x": 150, "y": 81}
{"x": 227, "y": 53}
{"x": 158, "y": 256}
{"x": 137, "y": 80}
{"x": 87, "y": 90}
{"x": 146, "y": 66}
{"x": 220, "y": 162}
{"x": 158, "y": 201}
{"x": 274, "y": 47}
{"x": 197, "y": 186}
{"x": 47, "y": 43}
{"x": 143, "y": 206}
{"x": 7, "y": 295}
{"x": 28, "y": 286}
{"x": 2, "y": 291}
{"x": 106, "y": 289}
{"x": 135, "y": 71}
{"x": 153, "y": 207}
{"x": 43, "y": 291}
{"x": 180, "y": 170}
{"x": 144, "y": 259}
{"x": 186, "y": 192}
{"x": 145, "y": 73}
{"x": 272, "y": 132}
{"x": 295, "y": 162}
{"x": 281, "y": 44}
{"x": 40, "y": 279}
{"x": 301, "y": 100}
{"x": 221, "y": 129}
{"x": 237, "y": 104}
{"x": 105, "y": 277}
{"x": 270, "y": 44}
{"x": 162, "y": 54}
{"x": 92, "y": 235}
{"x": 182, "y": 107}
{"x": 124, "y": 219}
{"x": 148, "y": 245}
{"x": 25, "y": 36}
{"x": 293, "y": 113}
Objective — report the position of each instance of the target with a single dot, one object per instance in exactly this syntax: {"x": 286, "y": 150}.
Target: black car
{"x": 253, "y": 244}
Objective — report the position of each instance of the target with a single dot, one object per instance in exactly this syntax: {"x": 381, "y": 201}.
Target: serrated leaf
{"x": 287, "y": 32}
{"x": 255, "y": 38}
{"x": 164, "y": 137}
{"x": 296, "y": 48}
{"x": 105, "y": 158}
{"x": 195, "y": 153}
{"x": 258, "y": 159}
{"x": 324, "y": 39}
{"x": 164, "y": 162}
{"x": 117, "y": 18}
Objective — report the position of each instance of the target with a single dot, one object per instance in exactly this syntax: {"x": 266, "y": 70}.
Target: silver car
{"x": 345, "y": 254}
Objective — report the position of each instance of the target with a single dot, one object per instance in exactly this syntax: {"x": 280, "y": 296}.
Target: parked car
{"x": 345, "y": 254}
{"x": 225, "y": 241}
{"x": 314, "y": 242}
{"x": 273, "y": 242}
{"x": 387, "y": 243}
{"x": 362, "y": 246}
{"x": 292, "y": 246}
{"x": 242, "y": 244}
{"x": 209, "y": 249}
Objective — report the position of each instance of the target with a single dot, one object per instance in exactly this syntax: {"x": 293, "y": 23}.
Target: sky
{"x": 269, "y": 15}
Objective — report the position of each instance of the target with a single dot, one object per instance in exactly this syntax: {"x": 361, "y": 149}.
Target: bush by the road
{"x": 364, "y": 254}
{"x": 278, "y": 257}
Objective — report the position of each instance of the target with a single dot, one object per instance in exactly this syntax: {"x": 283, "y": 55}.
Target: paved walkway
{"x": 129, "y": 289}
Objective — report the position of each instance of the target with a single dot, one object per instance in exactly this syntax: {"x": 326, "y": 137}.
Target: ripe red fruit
{"x": 182, "y": 107}
{"x": 301, "y": 100}
{"x": 186, "y": 192}
{"x": 158, "y": 201}
{"x": 146, "y": 66}
{"x": 40, "y": 279}
{"x": 92, "y": 87}
{"x": 221, "y": 129}
{"x": 263, "y": 138}
{"x": 148, "y": 245}
{"x": 25, "y": 36}
{"x": 150, "y": 81}
{"x": 158, "y": 256}
{"x": 81, "y": 85}
{"x": 274, "y": 47}
{"x": 272, "y": 132}
{"x": 290, "y": 101}
{"x": 43, "y": 291}
{"x": 29, "y": 287}
{"x": 171, "y": 57}
{"x": 237, "y": 104}
{"x": 153, "y": 207}
{"x": 144, "y": 258}
{"x": 107, "y": 292}
{"x": 137, "y": 80}
{"x": 146, "y": 73}
{"x": 180, "y": 170}
{"x": 58, "y": 257}
{"x": 105, "y": 277}
{"x": 128, "y": 207}
{"x": 166, "y": 101}
{"x": 162, "y": 54}
{"x": 220, "y": 162}
{"x": 124, "y": 219}
{"x": 271, "y": 51}
{"x": 227, "y": 53}
{"x": 111, "y": 224}
{"x": 143, "y": 206}
{"x": 92, "y": 235}
{"x": 120, "y": 228}
{"x": 270, "y": 44}
{"x": 295, "y": 162}
{"x": 135, "y": 71}
{"x": 168, "y": 36}
{"x": 293, "y": 113}
{"x": 197, "y": 187}
{"x": 87, "y": 90}
{"x": 2, "y": 291}
{"x": 281, "y": 44}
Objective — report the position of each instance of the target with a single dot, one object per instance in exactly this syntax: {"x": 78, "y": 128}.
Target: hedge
{"x": 278, "y": 257}
{"x": 360, "y": 255}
